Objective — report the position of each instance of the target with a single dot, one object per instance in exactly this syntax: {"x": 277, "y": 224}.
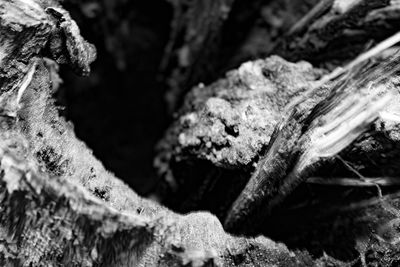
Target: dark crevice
{"x": 119, "y": 110}
{"x": 121, "y": 113}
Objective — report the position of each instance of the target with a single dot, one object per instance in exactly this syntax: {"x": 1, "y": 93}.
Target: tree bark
{"x": 318, "y": 31}
{"x": 252, "y": 128}
{"x": 59, "y": 206}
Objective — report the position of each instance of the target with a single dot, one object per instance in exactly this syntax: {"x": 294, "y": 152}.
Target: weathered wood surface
{"x": 226, "y": 126}
{"x": 325, "y": 32}
{"x": 323, "y": 35}
{"x": 318, "y": 31}
{"x": 49, "y": 221}
{"x": 227, "y": 134}
{"x": 59, "y": 206}
{"x": 317, "y": 128}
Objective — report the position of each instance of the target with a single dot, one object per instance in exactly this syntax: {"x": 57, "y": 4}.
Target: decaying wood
{"x": 49, "y": 220}
{"x": 324, "y": 33}
{"x": 221, "y": 125}
{"x": 59, "y": 206}
{"x": 300, "y": 142}
{"x": 196, "y": 25}
{"x": 274, "y": 19}
{"x": 319, "y": 31}
{"x": 226, "y": 126}
{"x": 203, "y": 35}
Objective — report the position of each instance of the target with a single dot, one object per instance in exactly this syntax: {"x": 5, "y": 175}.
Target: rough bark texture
{"x": 221, "y": 126}
{"x": 51, "y": 221}
{"x": 318, "y": 31}
{"x": 59, "y": 206}
{"x": 228, "y": 124}
{"x": 317, "y": 128}
{"x": 236, "y": 31}
{"x": 129, "y": 37}
{"x": 225, "y": 127}
{"x": 325, "y": 35}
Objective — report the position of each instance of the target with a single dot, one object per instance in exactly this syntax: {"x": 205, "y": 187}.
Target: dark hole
{"x": 232, "y": 130}
{"x": 119, "y": 110}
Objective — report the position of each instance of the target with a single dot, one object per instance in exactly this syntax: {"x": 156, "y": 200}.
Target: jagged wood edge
{"x": 49, "y": 217}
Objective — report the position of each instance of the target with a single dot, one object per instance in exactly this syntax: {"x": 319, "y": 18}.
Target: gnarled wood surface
{"x": 59, "y": 206}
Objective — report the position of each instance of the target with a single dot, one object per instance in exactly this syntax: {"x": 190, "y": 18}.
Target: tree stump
{"x": 243, "y": 148}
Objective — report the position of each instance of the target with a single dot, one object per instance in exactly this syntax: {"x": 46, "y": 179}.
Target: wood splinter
{"x": 307, "y": 135}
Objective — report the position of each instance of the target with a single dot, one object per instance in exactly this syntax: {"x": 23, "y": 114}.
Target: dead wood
{"x": 204, "y": 35}
{"x": 308, "y": 136}
{"x": 220, "y": 127}
{"x": 59, "y": 205}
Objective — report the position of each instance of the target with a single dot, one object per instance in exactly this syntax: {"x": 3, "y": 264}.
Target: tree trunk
{"x": 243, "y": 151}
{"x": 240, "y": 147}
{"x": 59, "y": 205}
